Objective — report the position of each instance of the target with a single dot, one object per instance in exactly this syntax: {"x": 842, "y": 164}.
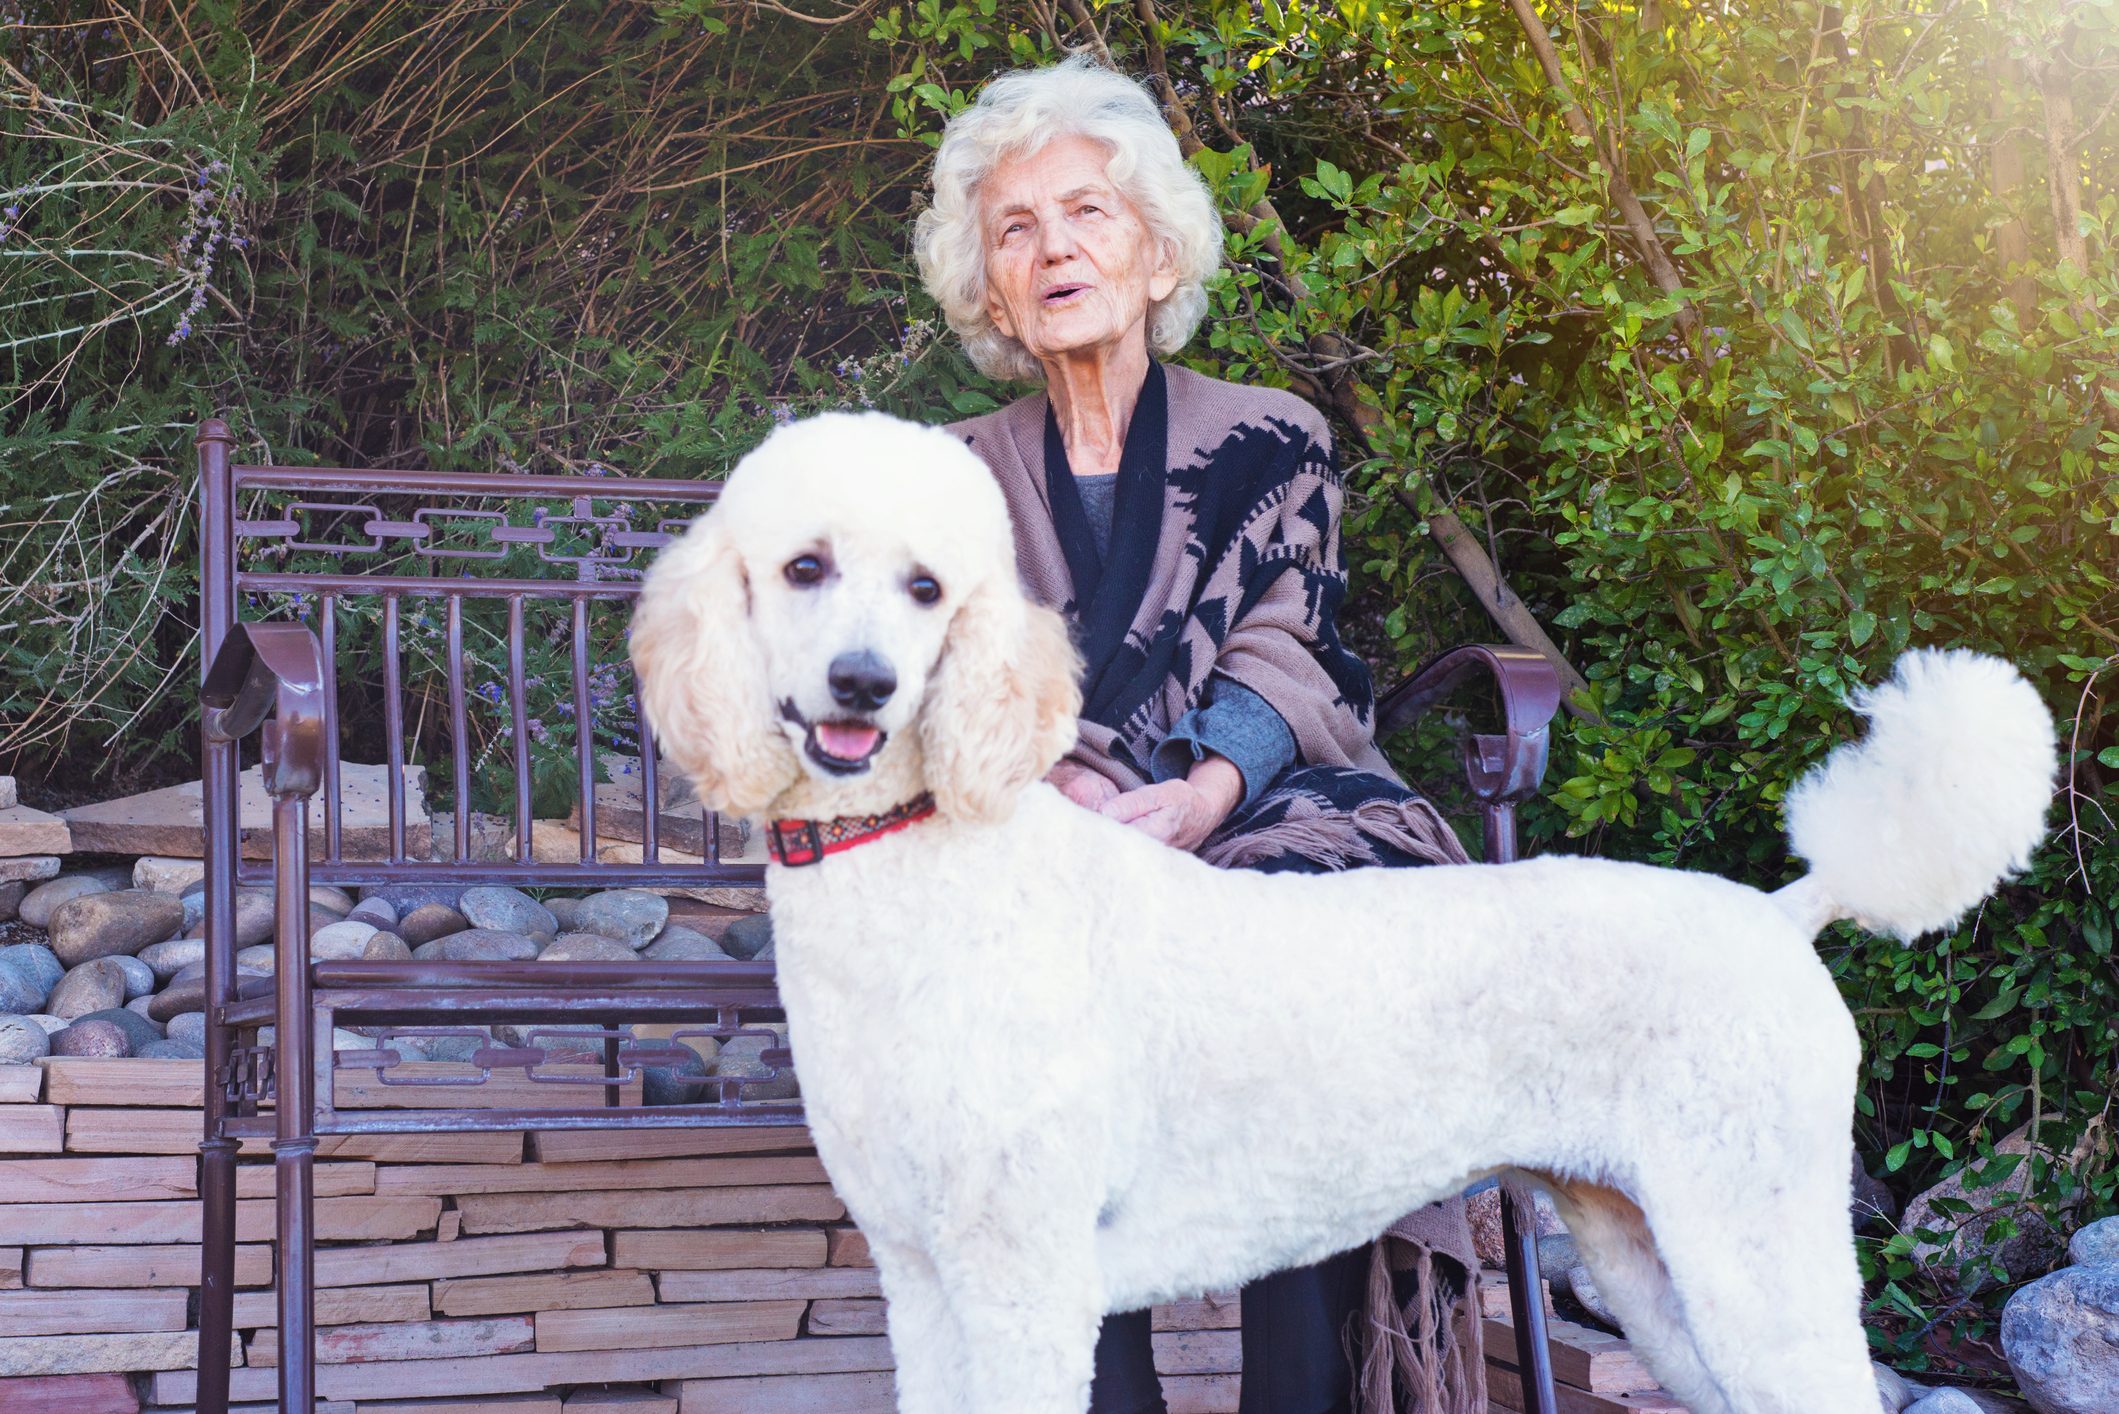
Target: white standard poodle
{"x": 1057, "y": 1069}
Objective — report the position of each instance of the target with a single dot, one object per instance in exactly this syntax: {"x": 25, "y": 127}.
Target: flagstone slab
{"x": 680, "y": 824}
{"x": 36, "y": 866}
{"x": 169, "y": 822}
{"x": 26, "y": 831}
{"x": 7, "y": 792}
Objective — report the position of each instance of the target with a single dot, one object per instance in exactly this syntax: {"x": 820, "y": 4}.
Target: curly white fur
{"x": 1056, "y": 1069}
{"x": 1947, "y": 796}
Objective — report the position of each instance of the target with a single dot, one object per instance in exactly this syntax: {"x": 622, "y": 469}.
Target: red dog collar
{"x": 799, "y": 842}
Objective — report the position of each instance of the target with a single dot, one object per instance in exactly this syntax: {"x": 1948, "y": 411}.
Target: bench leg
{"x": 293, "y": 1163}
{"x": 1519, "y": 1236}
{"x": 217, "y": 1262}
{"x": 294, "y": 1091}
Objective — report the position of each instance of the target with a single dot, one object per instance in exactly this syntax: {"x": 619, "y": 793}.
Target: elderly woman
{"x": 1189, "y": 528}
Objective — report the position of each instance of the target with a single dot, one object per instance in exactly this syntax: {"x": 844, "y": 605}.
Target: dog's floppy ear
{"x": 702, "y": 679}
{"x": 1002, "y": 705}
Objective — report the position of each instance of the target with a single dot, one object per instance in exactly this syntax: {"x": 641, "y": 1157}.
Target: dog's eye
{"x": 924, "y": 589}
{"x": 805, "y": 569}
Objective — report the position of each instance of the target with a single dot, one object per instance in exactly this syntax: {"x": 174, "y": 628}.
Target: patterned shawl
{"x": 1225, "y": 557}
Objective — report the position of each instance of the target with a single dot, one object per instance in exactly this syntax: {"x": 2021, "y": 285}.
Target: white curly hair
{"x": 1018, "y": 114}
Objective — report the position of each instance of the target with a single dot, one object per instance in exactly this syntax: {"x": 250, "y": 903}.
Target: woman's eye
{"x": 804, "y": 569}
{"x": 924, "y": 589}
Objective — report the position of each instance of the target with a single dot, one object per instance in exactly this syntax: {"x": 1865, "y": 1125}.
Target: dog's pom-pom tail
{"x": 1944, "y": 798}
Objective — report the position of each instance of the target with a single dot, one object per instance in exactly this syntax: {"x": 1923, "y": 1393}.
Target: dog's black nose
{"x": 861, "y": 681}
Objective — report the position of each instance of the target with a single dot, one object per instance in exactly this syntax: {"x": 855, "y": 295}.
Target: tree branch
{"x": 1647, "y": 244}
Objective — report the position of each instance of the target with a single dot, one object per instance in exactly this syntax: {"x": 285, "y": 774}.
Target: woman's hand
{"x": 1182, "y": 813}
{"x": 1081, "y": 785}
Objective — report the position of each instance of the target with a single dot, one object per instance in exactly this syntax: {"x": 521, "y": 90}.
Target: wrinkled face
{"x": 1070, "y": 264}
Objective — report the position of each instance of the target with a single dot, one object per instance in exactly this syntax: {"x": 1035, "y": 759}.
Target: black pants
{"x": 1294, "y": 1352}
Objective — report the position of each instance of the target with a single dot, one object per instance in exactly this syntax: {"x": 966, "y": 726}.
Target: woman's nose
{"x": 1055, "y": 242}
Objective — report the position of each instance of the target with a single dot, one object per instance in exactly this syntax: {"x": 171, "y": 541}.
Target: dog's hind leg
{"x": 1776, "y": 1323}
{"x": 1612, "y": 1237}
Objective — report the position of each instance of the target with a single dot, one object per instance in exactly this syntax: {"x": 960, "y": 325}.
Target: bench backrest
{"x": 482, "y": 617}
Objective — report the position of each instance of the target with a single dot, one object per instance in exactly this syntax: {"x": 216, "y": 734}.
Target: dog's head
{"x": 845, "y": 629}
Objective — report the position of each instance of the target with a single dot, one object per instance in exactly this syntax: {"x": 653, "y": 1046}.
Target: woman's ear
{"x": 701, "y": 677}
{"x": 1002, "y": 705}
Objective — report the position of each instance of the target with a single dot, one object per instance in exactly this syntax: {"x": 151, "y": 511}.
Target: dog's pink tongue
{"x": 849, "y": 741}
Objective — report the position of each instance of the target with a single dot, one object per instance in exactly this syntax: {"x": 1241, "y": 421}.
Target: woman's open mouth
{"x": 1064, "y": 294}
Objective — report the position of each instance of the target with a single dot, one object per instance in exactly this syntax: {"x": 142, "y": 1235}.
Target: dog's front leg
{"x": 1029, "y": 1333}
{"x": 925, "y": 1340}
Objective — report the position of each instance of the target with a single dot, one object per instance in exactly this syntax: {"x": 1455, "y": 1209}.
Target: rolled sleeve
{"x": 1233, "y": 722}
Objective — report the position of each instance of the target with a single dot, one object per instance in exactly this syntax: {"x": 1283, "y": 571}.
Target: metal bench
{"x": 488, "y": 552}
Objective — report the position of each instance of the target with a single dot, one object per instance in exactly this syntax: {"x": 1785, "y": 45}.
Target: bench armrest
{"x": 270, "y": 676}
{"x": 1504, "y": 769}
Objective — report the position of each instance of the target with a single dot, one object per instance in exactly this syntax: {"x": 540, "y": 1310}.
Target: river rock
{"x": 11, "y": 895}
{"x": 681, "y": 1084}
{"x": 740, "y": 1057}
{"x": 22, "y": 1041}
{"x": 748, "y": 936}
{"x": 386, "y": 947}
{"x": 167, "y": 959}
{"x": 139, "y": 1031}
{"x": 1873, "y": 1205}
{"x": 407, "y": 897}
{"x": 479, "y": 945}
{"x": 564, "y": 909}
{"x": 139, "y": 977}
{"x": 429, "y": 921}
{"x": 38, "y": 903}
{"x": 139, "y": 1005}
{"x": 1945, "y": 1401}
{"x": 96, "y": 985}
{"x": 167, "y": 876}
{"x": 375, "y": 912}
{"x": 253, "y": 919}
{"x": 333, "y": 900}
{"x": 340, "y": 941}
{"x": 173, "y": 1050}
{"x": 263, "y": 958}
{"x": 120, "y": 921}
{"x": 585, "y": 947}
{"x": 632, "y": 916}
{"x": 1893, "y": 1390}
{"x": 505, "y": 910}
{"x": 182, "y": 994}
{"x": 1966, "y": 1238}
{"x": 189, "y": 1027}
{"x": 2061, "y": 1337}
{"x": 2096, "y": 1245}
{"x": 677, "y": 943}
{"x": 20, "y": 992}
{"x": 99, "y": 1039}
{"x": 456, "y": 1048}
{"x": 52, "y": 1025}
{"x": 39, "y": 962}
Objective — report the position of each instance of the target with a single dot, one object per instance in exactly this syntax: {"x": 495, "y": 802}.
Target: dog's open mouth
{"x": 843, "y": 748}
